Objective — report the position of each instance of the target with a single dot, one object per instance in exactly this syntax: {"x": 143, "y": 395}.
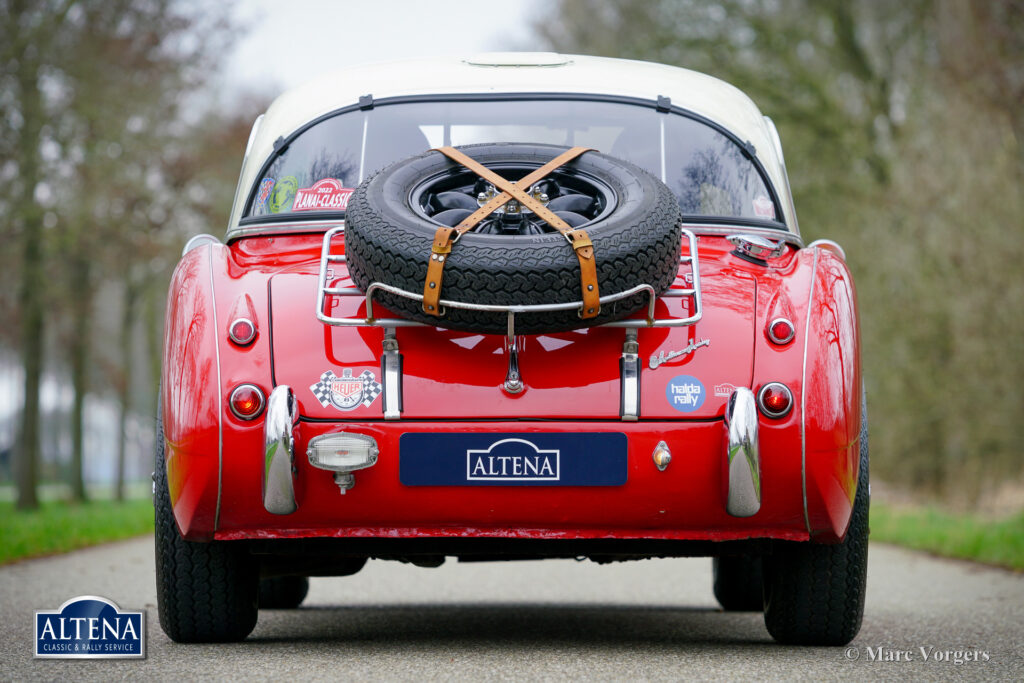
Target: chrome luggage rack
{"x": 323, "y": 291}
{"x": 391, "y": 360}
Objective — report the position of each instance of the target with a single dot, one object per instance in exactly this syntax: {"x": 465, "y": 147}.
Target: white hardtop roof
{"x": 496, "y": 73}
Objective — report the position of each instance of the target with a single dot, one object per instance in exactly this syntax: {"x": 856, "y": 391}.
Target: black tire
{"x": 814, "y": 592}
{"x": 283, "y": 592}
{"x": 637, "y": 243}
{"x": 205, "y": 592}
{"x": 738, "y": 583}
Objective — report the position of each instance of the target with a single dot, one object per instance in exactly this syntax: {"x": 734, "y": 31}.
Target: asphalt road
{"x": 654, "y": 619}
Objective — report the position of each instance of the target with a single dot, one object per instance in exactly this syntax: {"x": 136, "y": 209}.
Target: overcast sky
{"x": 292, "y": 41}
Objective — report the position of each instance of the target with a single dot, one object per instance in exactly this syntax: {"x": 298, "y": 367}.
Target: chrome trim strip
{"x": 831, "y": 246}
{"x": 803, "y": 392}
{"x": 270, "y": 229}
{"x": 630, "y": 378}
{"x": 743, "y": 459}
{"x": 391, "y": 362}
{"x": 220, "y": 394}
{"x": 724, "y": 231}
{"x": 198, "y": 241}
{"x": 278, "y": 488}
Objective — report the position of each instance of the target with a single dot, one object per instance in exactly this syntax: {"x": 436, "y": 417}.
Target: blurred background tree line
{"x": 903, "y": 126}
{"x": 108, "y": 160}
{"x": 903, "y": 129}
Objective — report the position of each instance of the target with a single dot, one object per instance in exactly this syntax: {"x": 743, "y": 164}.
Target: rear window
{"x": 317, "y": 172}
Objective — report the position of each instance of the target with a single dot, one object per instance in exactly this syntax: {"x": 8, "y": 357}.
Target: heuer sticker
{"x": 685, "y": 393}
{"x": 326, "y": 194}
{"x": 283, "y": 193}
{"x": 724, "y": 389}
{"x": 263, "y": 194}
{"x": 763, "y": 207}
{"x": 346, "y": 392}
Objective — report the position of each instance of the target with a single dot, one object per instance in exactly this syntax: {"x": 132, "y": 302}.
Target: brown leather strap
{"x": 444, "y": 238}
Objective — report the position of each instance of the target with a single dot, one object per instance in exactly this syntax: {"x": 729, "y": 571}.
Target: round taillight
{"x": 247, "y": 401}
{"x": 781, "y": 331}
{"x": 775, "y": 400}
{"x": 242, "y": 331}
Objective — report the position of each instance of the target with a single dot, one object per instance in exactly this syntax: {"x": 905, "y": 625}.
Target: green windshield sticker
{"x": 283, "y": 195}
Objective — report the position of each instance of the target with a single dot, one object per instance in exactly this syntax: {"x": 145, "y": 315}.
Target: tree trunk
{"x": 131, "y": 293}
{"x": 80, "y": 343}
{"x": 30, "y": 297}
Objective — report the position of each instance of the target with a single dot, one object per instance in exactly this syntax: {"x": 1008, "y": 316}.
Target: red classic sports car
{"x": 512, "y": 307}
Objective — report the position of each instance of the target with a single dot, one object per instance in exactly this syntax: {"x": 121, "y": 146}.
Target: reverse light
{"x": 342, "y": 453}
{"x": 775, "y": 400}
{"x": 781, "y": 331}
{"x": 247, "y": 401}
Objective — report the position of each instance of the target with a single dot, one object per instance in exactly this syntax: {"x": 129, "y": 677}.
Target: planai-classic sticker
{"x": 327, "y": 194}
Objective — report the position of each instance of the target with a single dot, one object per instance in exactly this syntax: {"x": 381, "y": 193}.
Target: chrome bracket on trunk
{"x": 279, "y": 452}
{"x": 629, "y": 383}
{"x": 391, "y": 371}
{"x": 513, "y": 380}
{"x": 742, "y": 457}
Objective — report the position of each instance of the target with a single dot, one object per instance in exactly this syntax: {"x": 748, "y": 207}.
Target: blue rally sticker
{"x": 685, "y": 393}
{"x": 90, "y": 627}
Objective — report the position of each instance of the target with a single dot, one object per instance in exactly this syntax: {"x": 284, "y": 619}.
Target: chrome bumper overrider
{"x": 279, "y": 452}
{"x": 742, "y": 457}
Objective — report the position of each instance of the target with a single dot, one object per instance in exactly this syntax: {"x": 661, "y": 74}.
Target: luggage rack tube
{"x": 323, "y": 291}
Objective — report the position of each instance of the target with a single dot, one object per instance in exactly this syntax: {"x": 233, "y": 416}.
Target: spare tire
{"x": 633, "y": 220}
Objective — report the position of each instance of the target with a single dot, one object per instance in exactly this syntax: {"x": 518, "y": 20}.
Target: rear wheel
{"x": 205, "y": 592}
{"x": 283, "y": 592}
{"x": 738, "y": 583}
{"x": 814, "y": 593}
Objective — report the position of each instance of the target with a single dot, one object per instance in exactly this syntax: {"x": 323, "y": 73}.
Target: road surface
{"x": 654, "y": 619}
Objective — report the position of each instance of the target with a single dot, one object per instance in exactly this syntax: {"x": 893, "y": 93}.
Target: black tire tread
{"x": 283, "y": 592}
{"x": 738, "y": 583}
{"x": 206, "y": 592}
{"x": 814, "y": 592}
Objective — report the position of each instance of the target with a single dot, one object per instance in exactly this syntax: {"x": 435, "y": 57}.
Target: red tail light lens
{"x": 242, "y": 331}
{"x": 247, "y": 401}
{"x": 781, "y": 331}
{"x": 775, "y": 400}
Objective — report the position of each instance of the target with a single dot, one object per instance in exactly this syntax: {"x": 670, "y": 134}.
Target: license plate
{"x": 511, "y": 459}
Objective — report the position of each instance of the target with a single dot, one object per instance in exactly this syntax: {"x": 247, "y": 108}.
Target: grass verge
{"x": 59, "y": 527}
{"x": 998, "y": 542}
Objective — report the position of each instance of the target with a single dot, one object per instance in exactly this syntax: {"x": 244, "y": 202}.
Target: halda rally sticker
{"x": 346, "y": 392}
{"x": 685, "y": 393}
{"x": 325, "y": 194}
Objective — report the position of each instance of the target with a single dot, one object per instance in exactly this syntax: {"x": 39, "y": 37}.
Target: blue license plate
{"x": 511, "y": 459}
